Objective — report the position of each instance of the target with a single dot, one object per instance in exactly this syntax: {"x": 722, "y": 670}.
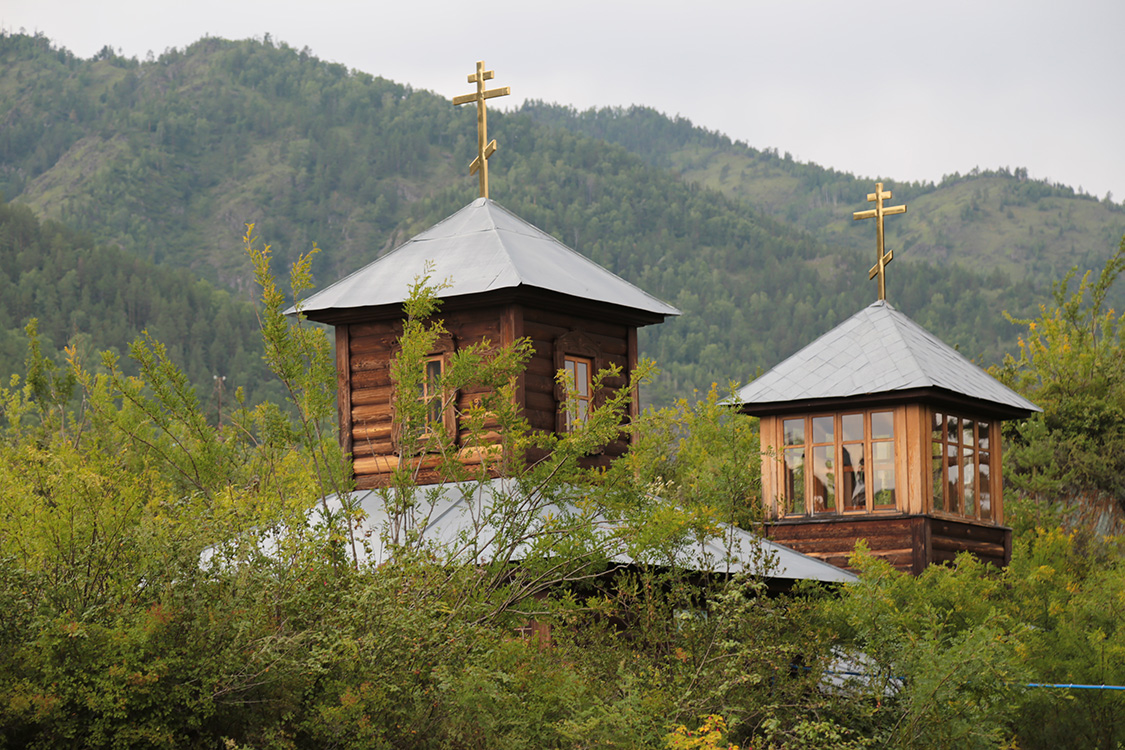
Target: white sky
{"x": 908, "y": 91}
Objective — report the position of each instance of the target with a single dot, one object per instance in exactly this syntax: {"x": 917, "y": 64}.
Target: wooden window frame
{"x": 576, "y": 346}
{"x": 441, "y": 352}
{"x": 812, "y": 507}
{"x": 980, "y": 450}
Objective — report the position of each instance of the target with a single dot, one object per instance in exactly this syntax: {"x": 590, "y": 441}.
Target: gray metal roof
{"x": 457, "y": 518}
{"x": 878, "y": 350}
{"x": 482, "y": 248}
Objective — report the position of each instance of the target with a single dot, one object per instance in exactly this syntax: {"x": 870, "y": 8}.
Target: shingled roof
{"x": 878, "y": 351}
{"x": 483, "y": 248}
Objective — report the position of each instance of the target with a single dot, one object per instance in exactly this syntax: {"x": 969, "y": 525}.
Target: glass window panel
{"x": 984, "y": 486}
{"x": 882, "y": 425}
{"x": 883, "y": 454}
{"x": 982, "y": 436}
{"x": 429, "y": 390}
{"x": 883, "y": 476}
{"x": 794, "y": 431}
{"x": 967, "y": 432}
{"x": 795, "y": 479}
{"x": 852, "y": 425}
{"x": 582, "y": 378}
{"x": 952, "y": 479}
{"x": 935, "y": 427}
{"x": 852, "y": 487}
{"x": 968, "y": 475}
{"x": 952, "y": 425}
{"x": 824, "y": 480}
{"x": 938, "y": 475}
{"x": 823, "y": 429}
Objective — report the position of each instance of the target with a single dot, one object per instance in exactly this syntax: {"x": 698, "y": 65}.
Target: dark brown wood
{"x": 371, "y": 378}
{"x": 371, "y": 413}
{"x": 512, "y": 330}
{"x": 365, "y": 344}
{"x": 909, "y": 543}
{"x": 367, "y": 390}
{"x": 371, "y": 432}
{"x": 377, "y": 395}
{"x": 343, "y": 388}
{"x": 631, "y": 354}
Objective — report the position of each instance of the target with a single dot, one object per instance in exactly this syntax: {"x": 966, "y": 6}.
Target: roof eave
{"x": 939, "y": 397}
{"x": 522, "y": 294}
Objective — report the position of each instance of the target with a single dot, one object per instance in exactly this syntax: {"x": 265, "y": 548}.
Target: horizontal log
{"x": 368, "y": 344}
{"x": 472, "y": 332}
{"x": 968, "y": 530}
{"x": 368, "y": 447}
{"x": 488, "y": 437}
{"x": 369, "y": 431}
{"x": 815, "y": 527}
{"x": 371, "y": 413}
{"x": 540, "y": 401}
{"x": 542, "y": 365}
{"x": 371, "y": 378}
{"x": 377, "y": 395}
{"x": 369, "y": 361}
{"x": 980, "y": 549}
{"x": 376, "y": 328}
{"x": 533, "y": 316}
{"x": 539, "y": 383}
{"x": 538, "y": 419}
{"x": 459, "y": 318}
{"x": 387, "y": 463}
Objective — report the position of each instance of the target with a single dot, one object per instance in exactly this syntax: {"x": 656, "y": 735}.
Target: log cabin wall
{"x": 363, "y": 356}
{"x": 364, "y": 352}
{"x": 551, "y": 333}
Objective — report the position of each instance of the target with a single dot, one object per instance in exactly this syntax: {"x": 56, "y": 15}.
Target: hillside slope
{"x": 1032, "y": 230}
{"x": 168, "y": 159}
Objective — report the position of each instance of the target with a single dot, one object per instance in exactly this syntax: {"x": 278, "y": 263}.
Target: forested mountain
{"x": 993, "y": 219}
{"x": 167, "y": 159}
{"x": 98, "y": 298}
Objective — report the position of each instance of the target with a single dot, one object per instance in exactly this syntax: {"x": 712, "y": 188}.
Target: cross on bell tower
{"x": 485, "y": 148}
{"x": 878, "y": 213}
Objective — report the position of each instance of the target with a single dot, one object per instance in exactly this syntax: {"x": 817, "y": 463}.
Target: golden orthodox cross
{"x": 485, "y": 148}
{"x": 878, "y": 213}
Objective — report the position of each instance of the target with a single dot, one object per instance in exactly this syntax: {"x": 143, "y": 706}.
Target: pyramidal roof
{"x": 878, "y": 351}
{"x": 482, "y": 248}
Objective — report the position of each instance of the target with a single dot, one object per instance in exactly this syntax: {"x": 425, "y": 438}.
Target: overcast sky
{"x": 908, "y": 91}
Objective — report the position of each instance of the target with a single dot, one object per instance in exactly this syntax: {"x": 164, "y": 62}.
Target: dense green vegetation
{"x": 168, "y": 158}
{"x": 117, "y": 633}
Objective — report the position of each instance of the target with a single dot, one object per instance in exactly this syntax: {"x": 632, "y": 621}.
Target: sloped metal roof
{"x": 456, "y": 517}
{"x": 878, "y": 350}
{"x": 482, "y": 248}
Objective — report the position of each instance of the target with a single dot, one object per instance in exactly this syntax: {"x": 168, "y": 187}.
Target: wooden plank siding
{"x": 363, "y": 356}
{"x": 907, "y": 542}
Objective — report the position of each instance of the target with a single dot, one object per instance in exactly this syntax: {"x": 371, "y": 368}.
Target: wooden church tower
{"x": 879, "y": 431}
{"x": 507, "y": 280}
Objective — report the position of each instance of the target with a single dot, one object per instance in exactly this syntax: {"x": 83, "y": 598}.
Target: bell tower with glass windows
{"x": 879, "y": 431}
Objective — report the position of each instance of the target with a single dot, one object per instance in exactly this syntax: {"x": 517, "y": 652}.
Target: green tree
{"x": 1072, "y": 364}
